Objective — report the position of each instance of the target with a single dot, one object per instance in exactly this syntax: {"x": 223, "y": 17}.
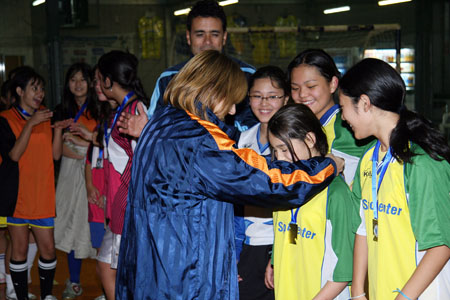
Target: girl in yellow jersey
{"x": 402, "y": 188}
{"x": 312, "y": 255}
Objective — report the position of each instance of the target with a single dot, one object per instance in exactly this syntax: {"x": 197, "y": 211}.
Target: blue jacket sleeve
{"x": 245, "y": 177}
{"x": 157, "y": 99}
{"x": 239, "y": 231}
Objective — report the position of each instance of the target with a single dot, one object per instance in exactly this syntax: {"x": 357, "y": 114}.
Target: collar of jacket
{"x": 231, "y": 131}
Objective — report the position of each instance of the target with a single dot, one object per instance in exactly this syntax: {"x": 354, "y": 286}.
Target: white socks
{"x": 2, "y": 268}
{"x": 32, "y": 250}
{"x": 9, "y": 287}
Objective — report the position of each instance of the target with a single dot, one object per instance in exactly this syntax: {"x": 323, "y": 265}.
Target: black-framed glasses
{"x": 271, "y": 98}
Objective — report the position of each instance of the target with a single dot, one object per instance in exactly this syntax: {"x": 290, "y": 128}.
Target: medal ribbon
{"x": 118, "y": 112}
{"x": 378, "y": 171}
{"x": 294, "y": 215}
{"x": 261, "y": 147}
{"x": 80, "y": 112}
{"x": 23, "y": 111}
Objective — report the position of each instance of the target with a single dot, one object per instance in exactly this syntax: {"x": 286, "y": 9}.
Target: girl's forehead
{"x": 35, "y": 82}
{"x": 77, "y": 74}
{"x": 266, "y": 82}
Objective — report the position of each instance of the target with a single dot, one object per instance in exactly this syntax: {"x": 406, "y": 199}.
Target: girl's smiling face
{"x": 32, "y": 96}
{"x": 78, "y": 85}
{"x": 356, "y": 116}
{"x": 309, "y": 87}
{"x": 266, "y": 99}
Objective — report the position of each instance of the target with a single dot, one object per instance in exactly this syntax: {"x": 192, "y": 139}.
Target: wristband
{"x": 356, "y": 297}
{"x": 401, "y": 293}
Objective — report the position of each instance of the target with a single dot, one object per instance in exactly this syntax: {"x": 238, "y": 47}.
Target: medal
{"x": 375, "y": 229}
{"x": 293, "y": 230}
{"x": 293, "y": 227}
{"x": 99, "y": 163}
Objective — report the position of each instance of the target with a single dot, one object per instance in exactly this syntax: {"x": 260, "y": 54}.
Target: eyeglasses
{"x": 259, "y": 98}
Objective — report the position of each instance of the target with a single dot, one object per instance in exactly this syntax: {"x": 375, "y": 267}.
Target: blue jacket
{"x": 178, "y": 235}
{"x": 244, "y": 117}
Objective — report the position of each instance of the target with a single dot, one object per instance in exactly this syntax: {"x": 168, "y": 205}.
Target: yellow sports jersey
{"x": 324, "y": 245}
{"x": 413, "y": 215}
{"x": 341, "y": 141}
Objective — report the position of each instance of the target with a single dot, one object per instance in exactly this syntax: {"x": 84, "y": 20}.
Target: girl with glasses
{"x": 268, "y": 92}
{"x": 178, "y": 238}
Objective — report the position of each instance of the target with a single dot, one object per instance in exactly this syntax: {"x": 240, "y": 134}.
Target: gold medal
{"x": 293, "y": 229}
{"x": 375, "y": 229}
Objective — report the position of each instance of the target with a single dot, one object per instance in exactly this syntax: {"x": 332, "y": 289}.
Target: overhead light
{"x": 228, "y": 2}
{"x": 38, "y": 2}
{"x": 336, "y": 10}
{"x": 185, "y": 11}
{"x": 389, "y": 2}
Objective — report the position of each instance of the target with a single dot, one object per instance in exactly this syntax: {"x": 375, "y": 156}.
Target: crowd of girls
{"x": 195, "y": 209}
{"x": 28, "y": 149}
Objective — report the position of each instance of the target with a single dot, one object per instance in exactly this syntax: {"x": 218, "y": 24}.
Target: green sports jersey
{"x": 324, "y": 245}
{"x": 341, "y": 141}
{"x": 413, "y": 216}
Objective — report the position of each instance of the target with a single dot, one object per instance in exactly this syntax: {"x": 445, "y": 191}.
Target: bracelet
{"x": 356, "y": 297}
{"x": 401, "y": 293}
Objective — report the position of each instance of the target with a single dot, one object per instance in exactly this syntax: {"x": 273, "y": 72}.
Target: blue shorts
{"x": 97, "y": 233}
{"x": 41, "y": 223}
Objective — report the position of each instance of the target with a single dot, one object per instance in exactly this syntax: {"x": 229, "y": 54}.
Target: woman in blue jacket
{"x": 178, "y": 235}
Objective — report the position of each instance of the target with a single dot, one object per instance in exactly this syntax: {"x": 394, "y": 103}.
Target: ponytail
{"x": 138, "y": 88}
{"x": 122, "y": 67}
{"x": 417, "y": 129}
{"x": 386, "y": 90}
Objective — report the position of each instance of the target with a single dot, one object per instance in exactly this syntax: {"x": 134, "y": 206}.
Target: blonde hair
{"x": 211, "y": 78}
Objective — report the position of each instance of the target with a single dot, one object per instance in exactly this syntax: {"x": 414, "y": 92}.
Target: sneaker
{"x": 13, "y": 296}
{"x": 72, "y": 290}
{"x": 50, "y": 297}
{"x": 101, "y": 297}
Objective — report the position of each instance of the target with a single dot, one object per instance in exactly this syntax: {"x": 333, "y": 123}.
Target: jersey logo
{"x": 367, "y": 172}
{"x": 302, "y": 232}
{"x": 382, "y": 208}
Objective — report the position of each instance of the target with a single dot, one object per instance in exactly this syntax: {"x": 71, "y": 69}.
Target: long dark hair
{"x": 104, "y": 114}
{"x": 276, "y": 76}
{"x": 294, "y": 121}
{"x": 69, "y": 105}
{"x": 121, "y": 67}
{"x": 386, "y": 90}
{"x": 315, "y": 58}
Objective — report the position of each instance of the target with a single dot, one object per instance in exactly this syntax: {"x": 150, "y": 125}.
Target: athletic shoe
{"x": 50, "y": 297}
{"x": 13, "y": 296}
{"x": 72, "y": 290}
{"x": 101, "y": 297}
